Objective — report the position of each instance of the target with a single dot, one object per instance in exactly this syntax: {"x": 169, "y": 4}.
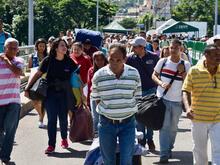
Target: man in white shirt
{"x": 164, "y": 71}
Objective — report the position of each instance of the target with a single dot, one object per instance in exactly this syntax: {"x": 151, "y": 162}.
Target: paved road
{"x": 31, "y": 142}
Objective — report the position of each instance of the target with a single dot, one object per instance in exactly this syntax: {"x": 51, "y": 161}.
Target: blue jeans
{"x": 168, "y": 132}
{"x": 56, "y": 106}
{"x": 140, "y": 127}
{"x": 108, "y": 134}
{"x": 95, "y": 115}
{"x": 9, "y": 119}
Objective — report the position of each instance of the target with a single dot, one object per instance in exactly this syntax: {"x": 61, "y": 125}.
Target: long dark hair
{"x": 41, "y": 40}
{"x": 95, "y": 54}
{"x": 54, "y": 46}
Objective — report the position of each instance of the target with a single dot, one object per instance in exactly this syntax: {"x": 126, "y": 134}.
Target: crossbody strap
{"x": 172, "y": 79}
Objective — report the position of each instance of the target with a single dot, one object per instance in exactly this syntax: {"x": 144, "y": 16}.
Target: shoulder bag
{"x": 38, "y": 91}
{"x": 151, "y": 109}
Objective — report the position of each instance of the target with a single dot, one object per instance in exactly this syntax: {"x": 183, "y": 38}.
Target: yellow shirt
{"x": 205, "y": 93}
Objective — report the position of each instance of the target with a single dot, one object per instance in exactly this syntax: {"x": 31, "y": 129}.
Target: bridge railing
{"x": 24, "y": 52}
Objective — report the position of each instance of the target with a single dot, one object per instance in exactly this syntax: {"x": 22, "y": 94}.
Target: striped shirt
{"x": 10, "y": 83}
{"x": 205, "y": 93}
{"x": 166, "y": 74}
{"x": 118, "y": 97}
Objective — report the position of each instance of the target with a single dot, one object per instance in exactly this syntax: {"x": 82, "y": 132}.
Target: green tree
{"x": 52, "y": 16}
{"x": 147, "y": 20}
{"x": 197, "y": 10}
{"x": 129, "y": 23}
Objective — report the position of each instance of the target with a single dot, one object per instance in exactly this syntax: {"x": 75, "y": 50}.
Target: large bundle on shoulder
{"x": 94, "y": 36}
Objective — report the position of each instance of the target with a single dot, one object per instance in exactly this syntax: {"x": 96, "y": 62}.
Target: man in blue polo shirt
{"x": 144, "y": 62}
{"x": 3, "y": 36}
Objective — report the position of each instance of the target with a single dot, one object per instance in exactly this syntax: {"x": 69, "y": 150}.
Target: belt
{"x": 118, "y": 121}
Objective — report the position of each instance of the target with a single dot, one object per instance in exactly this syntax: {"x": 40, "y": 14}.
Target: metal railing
{"x": 24, "y": 52}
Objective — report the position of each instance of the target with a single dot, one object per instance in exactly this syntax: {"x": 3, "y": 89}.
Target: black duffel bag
{"x": 151, "y": 111}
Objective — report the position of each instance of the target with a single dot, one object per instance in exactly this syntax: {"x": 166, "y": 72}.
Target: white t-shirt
{"x": 174, "y": 93}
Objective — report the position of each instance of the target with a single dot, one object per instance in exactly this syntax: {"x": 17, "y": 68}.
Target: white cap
{"x": 138, "y": 41}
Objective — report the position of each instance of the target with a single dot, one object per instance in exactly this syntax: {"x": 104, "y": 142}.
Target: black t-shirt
{"x": 58, "y": 70}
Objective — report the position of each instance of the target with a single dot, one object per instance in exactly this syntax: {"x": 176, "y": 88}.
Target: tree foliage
{"x": 128, "y": 23}
{"x": 52, "y": 16}
{"x": 147, "y": 20}
{"x": 197, "y": 10}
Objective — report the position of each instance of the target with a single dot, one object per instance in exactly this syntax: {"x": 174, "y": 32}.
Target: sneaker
{"x": 41, "y": 124}
{"x": 49, "y": 150}
{"x": 151, "y": 145}
{"x": 164, "y": 160}
{"x": 64, "y": 143}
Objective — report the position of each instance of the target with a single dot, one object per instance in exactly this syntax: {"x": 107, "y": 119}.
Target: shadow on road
{"x": 71, "y": 154}
{"x": 32, "y": 114}
{"x": 88, "y": 142}
{"x": 180, "y": 157}
{"x": 183, "y": 130}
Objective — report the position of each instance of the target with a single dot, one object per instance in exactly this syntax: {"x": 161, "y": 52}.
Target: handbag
{"x": 38, "y": 91}
{"x": 81, "y": 128}
{"x": 151, "y": 112}
{"x": 151, "y": 109}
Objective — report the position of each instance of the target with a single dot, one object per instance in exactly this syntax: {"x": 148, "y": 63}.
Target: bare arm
{"x": 187, "y": 104}
{"x": 30, "y": 62}
{"x": 157, "y": 80}
{"x": 12, "y": 67}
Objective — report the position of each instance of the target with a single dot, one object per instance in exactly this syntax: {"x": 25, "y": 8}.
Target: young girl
{"x": 59, "y": 68}
{"x": 99, "y": 61}
{"x": 34, "y": 61}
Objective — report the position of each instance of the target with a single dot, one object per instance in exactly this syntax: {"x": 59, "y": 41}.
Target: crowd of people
{"x": 117, "y": 74}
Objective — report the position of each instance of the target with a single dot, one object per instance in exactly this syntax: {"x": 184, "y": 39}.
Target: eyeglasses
{"x": 214, "y": 81}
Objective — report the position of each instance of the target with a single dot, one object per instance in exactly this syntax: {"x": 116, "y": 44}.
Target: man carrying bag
{"x": 173, "y": 98}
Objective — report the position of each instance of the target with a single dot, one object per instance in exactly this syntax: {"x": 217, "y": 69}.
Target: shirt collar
{"x": 125, "y": 72}
{"x": 202, "y": 67}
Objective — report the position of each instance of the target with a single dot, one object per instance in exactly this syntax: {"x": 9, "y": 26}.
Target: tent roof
{"x": 179, "y": 27}
{"x": 165, "y": 25}
{"x": 114, "y": 27}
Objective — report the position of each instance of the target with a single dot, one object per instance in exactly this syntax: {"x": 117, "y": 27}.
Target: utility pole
{"x": 216, "y": 17}
{"x": 97, "y": 16}
{"x": 30, "y": 22}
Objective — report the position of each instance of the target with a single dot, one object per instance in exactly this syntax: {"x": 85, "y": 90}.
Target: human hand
{"x": 5, "y": 59}
{"x": 165, "y": 85}
{"x": 26, "y": 94}
{"x": 189, "y": 114}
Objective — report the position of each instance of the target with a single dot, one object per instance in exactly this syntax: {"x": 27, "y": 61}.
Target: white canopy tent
{"x": 170, "y": 22}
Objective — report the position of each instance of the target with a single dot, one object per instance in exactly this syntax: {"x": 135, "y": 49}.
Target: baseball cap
{"x": 138, "y": 41}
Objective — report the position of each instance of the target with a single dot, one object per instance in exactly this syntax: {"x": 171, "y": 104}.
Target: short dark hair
{"x": 120, "y": 47}
{"x": 1, "y": 21}
{"x": 210, "y": 47}
{"x": 176, "y": 41}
